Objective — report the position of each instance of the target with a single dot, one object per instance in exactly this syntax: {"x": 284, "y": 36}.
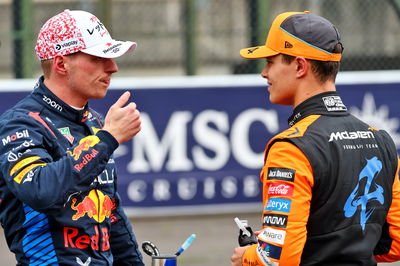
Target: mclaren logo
{"x": 351, "y": 135}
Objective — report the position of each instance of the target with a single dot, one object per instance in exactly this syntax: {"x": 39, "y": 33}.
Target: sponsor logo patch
{"x": 334, "y": 103}
{"x": 17, "y": 135}
{"x": 52, "y": 103}
{"x": 280, "y": 189}
{"x": 86, "y": 159}
{"x": 271, "y": 251}
{"x": 95, "y": 205}
{"x": 74, "y": 239}
{"x": 112, "y": 48}
{"x": 86, "y": 263}
{"x": 351, "y": 135}
{"x": 273, "y": 235}
{"x": 288, "y": 45}
{"x": 250, "y": 51}
{"x": 68, "y": 44}
{"x": 84, "y": 145}
{"x": 18, "y": 178}
{"x": 275, "y": 220}
{"x": 67, "y": 134}
{"x": 372, "y": 192}
{"x": 277, "y": 173}
{"x": 14, "y": 156}
{"x": 21, "y": 164}
{"x": 278, "y": 204}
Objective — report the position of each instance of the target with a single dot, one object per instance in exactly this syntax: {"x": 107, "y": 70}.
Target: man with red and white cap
{"x": 331, "y": 190}
{"x": 59, "y": 202}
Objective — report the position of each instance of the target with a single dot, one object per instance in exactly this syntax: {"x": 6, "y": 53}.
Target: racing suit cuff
{"x": 107, "y": 138}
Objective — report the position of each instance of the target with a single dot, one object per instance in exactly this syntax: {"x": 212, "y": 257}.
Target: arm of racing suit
{"x": 42, "y": 175}
{"x": 388, "y": 248}
{"x": 287, "y": 190}
{"x": 123, "y": 242}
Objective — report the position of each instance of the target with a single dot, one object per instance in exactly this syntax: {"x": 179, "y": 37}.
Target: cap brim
{"x": 257, "y": 52}
{"x": 111, "y": 49}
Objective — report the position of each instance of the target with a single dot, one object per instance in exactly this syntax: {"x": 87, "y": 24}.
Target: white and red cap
{"x": 78, "y": 31}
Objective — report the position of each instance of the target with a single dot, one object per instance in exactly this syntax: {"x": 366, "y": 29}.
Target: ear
{"x": 302, "y": 66}
{"x": 60, "y": 65}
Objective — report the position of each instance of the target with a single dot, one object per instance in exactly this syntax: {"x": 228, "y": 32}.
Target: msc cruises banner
{"x": 201, "y": 146}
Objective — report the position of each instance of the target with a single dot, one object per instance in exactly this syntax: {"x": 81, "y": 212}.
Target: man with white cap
{"x": 331, "y": 191}
{"x": 58, "y": 187}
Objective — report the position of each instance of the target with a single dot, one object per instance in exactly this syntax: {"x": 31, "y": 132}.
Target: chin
{"x": 278, "y": 101}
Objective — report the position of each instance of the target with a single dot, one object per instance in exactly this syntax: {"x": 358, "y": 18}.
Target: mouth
{"x": 105, "y": 81}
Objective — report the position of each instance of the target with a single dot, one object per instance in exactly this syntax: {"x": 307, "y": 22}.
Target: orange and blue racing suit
{"x": 331, "y": 191}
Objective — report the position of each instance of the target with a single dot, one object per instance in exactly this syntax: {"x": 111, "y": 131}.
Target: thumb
{"x": 123, "y": 99}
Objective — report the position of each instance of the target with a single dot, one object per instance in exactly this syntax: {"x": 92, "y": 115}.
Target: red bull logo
{"x": 84, "y": 145}
{"x": 86, "y": 159}
{"x": 85, "y": 116}
{"x": 73, "y": 238}
{"x": 96, "y": 205}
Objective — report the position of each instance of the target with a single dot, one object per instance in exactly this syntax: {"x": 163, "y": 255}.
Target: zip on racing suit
{"x": 58, "y": 188}
{"x": 331, "y": 191}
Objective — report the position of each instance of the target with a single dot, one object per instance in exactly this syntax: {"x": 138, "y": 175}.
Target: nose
{"x": 264, "y": 72}
{"x": 110, "y": 66}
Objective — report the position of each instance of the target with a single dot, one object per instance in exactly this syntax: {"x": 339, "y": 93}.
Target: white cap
{"x": 78, "y": 31}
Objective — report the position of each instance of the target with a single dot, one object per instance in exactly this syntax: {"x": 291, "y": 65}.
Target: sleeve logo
{"x": 280, "y": 189}
{"x": 278, "y": 204}
{"x": 273, "y": 236}
{"x": 275, "y": 220}
{"x": 277, "y": 173}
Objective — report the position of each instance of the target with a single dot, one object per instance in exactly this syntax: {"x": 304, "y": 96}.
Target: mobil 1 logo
{"x": 278, "y": 173}
{"x": 275, "y": 220}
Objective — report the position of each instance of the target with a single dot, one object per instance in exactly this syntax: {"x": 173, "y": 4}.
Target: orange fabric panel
{"x": 393, "y": 219}
{"x": 284, "y": 242}
{"x": 250, "y": 257}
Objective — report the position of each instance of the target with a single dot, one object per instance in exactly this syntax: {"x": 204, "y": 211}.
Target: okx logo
{"x": 372, "y": 191}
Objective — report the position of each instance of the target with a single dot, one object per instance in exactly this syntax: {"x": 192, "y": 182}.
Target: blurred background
{"x": 201, "y": 37}
{"x": 186, "y": 66}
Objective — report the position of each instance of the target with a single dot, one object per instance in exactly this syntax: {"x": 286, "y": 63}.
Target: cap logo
{"x": 99, "y": 27}
{"x": 112, "y": 49}
{"x": 71, "y": 43}
{"x": 250, "y": 51}
{"x": 288, "y": 45}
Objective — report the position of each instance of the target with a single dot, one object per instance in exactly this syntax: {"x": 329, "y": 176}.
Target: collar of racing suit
{"x": 326, "y": 103}
{"x": 45, "y": 97}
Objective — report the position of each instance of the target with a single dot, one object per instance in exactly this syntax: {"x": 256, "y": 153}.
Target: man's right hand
{"x": 122, "y": 122}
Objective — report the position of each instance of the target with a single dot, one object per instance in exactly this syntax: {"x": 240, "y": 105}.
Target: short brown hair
{"x": 324, "y": 70}
{"x": 46, "y": 67}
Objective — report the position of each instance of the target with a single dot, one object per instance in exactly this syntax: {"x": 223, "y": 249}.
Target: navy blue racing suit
{"x": 58, "y": 188}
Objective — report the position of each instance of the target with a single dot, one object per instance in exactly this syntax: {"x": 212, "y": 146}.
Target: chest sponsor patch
{"x": 277, "y": 173}
{"x": 278, "y": 204}
{"x": 280, "y": 189}
{"x": 273, "y": 236}
{"x": 66, "y": 133}
{"x": 275, "y": 220}
{"x": 269, "y": 250}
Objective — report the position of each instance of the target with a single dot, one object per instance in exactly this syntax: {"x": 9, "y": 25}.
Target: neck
{"x": 310, "y": 89}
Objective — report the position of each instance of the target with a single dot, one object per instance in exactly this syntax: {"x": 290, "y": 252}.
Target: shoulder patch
{"x": 278, "y": 173}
